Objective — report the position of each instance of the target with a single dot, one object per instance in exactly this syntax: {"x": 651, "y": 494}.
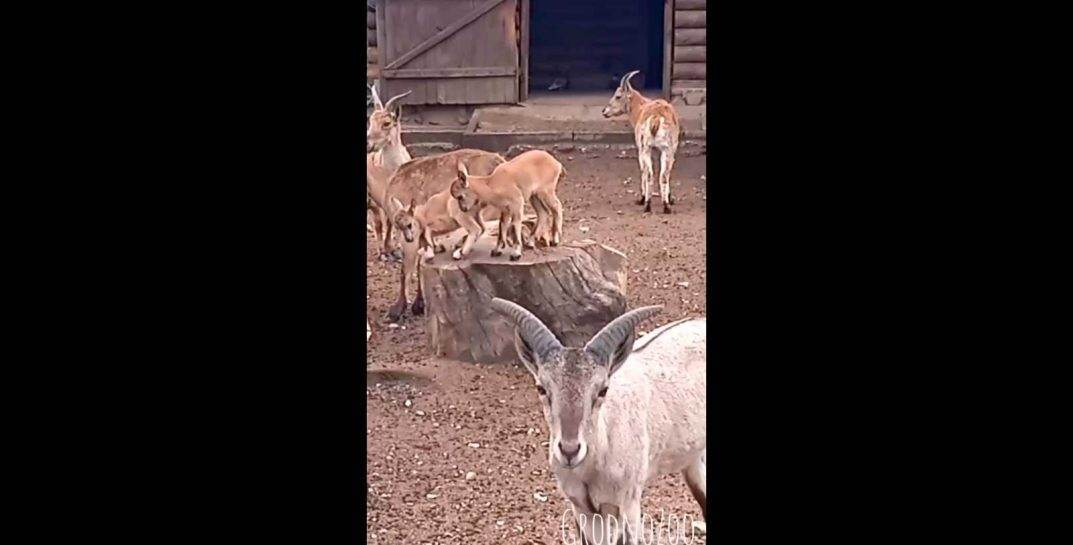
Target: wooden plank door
{"x": 449, "y": 51}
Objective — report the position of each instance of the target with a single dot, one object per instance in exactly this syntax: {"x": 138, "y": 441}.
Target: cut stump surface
{"x": 575, "y": 289}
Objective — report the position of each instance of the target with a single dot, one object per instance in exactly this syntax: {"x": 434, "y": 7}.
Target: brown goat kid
{"x": 442, "y": 214}
{"x": 655, "y": 126}
{"x": 532, "y": 176}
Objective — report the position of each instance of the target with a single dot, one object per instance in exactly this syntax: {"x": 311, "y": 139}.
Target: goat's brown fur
{"x": 415, "y": 182}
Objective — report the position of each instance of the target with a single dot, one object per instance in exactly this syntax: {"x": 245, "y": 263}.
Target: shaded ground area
{"x": 457, "y": 452}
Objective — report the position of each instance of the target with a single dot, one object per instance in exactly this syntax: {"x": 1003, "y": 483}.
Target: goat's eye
{"x": 385, "y": 124}
{"x": 541, "y": 390}
{"x": 603, "y": 392}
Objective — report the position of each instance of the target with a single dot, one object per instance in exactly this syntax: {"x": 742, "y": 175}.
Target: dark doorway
{"x": 587, "y": 45}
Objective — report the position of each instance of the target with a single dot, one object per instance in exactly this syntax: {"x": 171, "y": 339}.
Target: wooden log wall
{"x": 372, "y": 69}
{"x": 690, "y": 46}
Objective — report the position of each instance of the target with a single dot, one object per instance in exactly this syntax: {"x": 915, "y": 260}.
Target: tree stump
{"x": 575, "y": 288}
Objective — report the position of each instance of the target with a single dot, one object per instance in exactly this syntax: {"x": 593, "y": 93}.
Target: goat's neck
{"x": 480, "y": 186}
{"x": 636, "y": 103}
{"x": 394, "y": 154}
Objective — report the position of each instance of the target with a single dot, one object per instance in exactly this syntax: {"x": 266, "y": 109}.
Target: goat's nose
{"x": 569, "y": 448}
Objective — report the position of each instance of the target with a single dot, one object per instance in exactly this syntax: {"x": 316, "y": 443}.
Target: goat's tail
{"x": 656, "y": 124}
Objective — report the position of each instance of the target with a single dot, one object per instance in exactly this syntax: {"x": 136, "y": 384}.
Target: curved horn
{"x": 376, "y": 98}
{"x": 611, "y": 336}
{"x": 535, "y": 333}
{"x": 626, "y": 79}
{"x": 389, "y": 103}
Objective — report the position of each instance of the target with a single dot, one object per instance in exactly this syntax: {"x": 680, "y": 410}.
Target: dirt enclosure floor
{"x": 458, "y": 452}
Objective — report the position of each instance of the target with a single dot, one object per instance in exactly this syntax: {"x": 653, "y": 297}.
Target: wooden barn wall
{"x": 690, "y": 46}
{"x": 372, "y": 70}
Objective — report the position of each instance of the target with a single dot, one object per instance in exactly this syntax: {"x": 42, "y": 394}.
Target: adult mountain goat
{"x": 655, "y": 126}
{"x": 619, "y": 412}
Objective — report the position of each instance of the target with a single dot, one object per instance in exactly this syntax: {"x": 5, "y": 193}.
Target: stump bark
{"x": 575, "y": 289}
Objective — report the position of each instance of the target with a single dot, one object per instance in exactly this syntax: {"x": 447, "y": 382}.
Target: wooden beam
{"x": 370, "y": 37}
{"x": 443, "y": 34}
{"x": 470, "y": 72}
{"x": 690, "y": 70}
{"x": 680, "y": 85}
{"x": 381, "y": 45}
{"x": 370, "y": 19}
{"x": 668, "y": 46}
{"x": 523, "y": 50}
{"x": 691, "y": 19}
{"x": 689, "y": 36}
{"x": 373, "y": 55}
{"x": 691, "y": 4}
{"x": 690, "y": 53}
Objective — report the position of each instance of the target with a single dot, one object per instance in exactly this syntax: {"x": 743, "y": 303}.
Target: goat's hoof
{"x": 515, "y": 257}
{"x": 395, "y": 312}
{"x": 457, "y": 254}
{"x": 648, "y": 206}
{"x": 666, "y": 208}
{"x": 672, "y": 200}
{"x": 641, "y": 200}
{"x": 440, "y": 248}
{"x": 495, "y": 253}
{"x": 418, "y": 307}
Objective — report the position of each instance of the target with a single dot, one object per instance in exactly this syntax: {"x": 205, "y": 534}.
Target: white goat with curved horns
{"x": 619, "y": 412}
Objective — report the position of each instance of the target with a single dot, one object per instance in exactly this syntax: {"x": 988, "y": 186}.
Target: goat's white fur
{"x": 652, "y": 423}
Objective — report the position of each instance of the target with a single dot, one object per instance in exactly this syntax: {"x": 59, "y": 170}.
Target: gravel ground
{"x": 457, "y": 452}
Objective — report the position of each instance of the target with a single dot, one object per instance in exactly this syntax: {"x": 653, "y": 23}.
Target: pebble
{"x": 540, "y": 496}
{"x": 470, "y": 475}
{"x": 474, "y": 445}
{"x": 420, "y": 413}
{"x": 408, "y": 403}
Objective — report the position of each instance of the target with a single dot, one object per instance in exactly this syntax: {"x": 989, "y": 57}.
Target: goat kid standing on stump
{"x": 620, "y": 413}
{"x": 655, "y": 125}
{"x": 532, "y": 176}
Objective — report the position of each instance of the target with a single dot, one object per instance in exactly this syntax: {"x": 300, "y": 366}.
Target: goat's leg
{"x": 501, "y": 238}
{"x": 666, "y": 163}
{"x": 645, "y": 157}
{"x": 429, "y": 244}
{"x": 695, "y": 475}
{"x": 641, "y": 165}
{"x": 409, "y": 263}
{"x": 389, "y": 251}
{"x": 556, "y": 216}
{"x": 633, "y": 530}
{"x": 473, "y": 232}
{"x": 583, "y": 510}
{"x": 418, "y": 308}
{"x": 538, "y": 227}
{"x": 516, "y": 223}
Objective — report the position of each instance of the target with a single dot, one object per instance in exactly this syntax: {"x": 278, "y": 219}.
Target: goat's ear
{"x": 526, "y": 354}
{"x": 413, "y": 204}
{"x": 463, "y": 174}
{"x": 397, "y": 204}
